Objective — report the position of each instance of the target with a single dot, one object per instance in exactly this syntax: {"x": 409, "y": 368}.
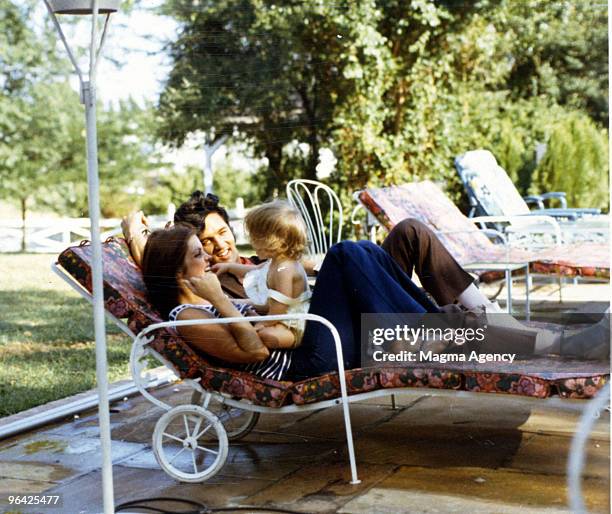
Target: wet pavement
{"x": 488, "y": 453}
{"x": 484, "y": 453}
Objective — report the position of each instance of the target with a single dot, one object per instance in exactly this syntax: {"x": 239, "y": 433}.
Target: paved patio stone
{"x": 319, "y": 488}
{"x": 397, "y": 501}
{"x": 10, "y": 486}
{"x": 564, "y": 423}
{"x": 81, "y": 454}
{"x": 549, "y": 454}
{"x": 84, "y": 495}
{"x": 528, "y": 491}
{"x": 329, "y": 423}
{"x": 36, "y": 471}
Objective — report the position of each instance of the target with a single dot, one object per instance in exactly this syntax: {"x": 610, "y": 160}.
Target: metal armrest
{"x": 489, "y": 232}
{"x": 559, "y": 195}
{"x": 521, "y": 220}
{"x": 354, "y": 212}
{"x": 568, "y": 214}
{"x": 143, "y": 338}
{"x": 537, "y": 199}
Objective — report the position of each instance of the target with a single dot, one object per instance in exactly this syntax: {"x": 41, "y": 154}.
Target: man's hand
{"x": 135, "y": 227}
{"x": 134, "y": 224}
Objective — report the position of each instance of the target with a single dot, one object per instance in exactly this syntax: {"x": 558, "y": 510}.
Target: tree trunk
{"x": 310, "y": 109}
{"x": 313, "y": 159}
{"x": 274, "y": 154}
{"x": 24, "y": 206}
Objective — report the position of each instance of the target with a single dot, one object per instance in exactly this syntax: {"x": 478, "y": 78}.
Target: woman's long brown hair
{"x": 163, "y": 259}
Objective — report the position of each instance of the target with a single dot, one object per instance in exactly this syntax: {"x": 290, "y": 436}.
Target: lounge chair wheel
{"x": 237, "y": 422}
{"x": 181, "y": 448}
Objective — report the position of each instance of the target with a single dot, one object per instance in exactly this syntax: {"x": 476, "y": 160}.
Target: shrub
{"x": 576, "y": 161}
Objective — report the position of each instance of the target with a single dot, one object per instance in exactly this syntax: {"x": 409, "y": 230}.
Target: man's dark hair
{"x": 194, "y": 211}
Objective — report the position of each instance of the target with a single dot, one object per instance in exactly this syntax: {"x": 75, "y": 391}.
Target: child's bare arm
{"x": 276, "y": 336}
{"x": 240, "y": 270}
{"x": 283, "y": 279}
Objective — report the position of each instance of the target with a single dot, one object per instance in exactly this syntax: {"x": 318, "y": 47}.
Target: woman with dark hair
{"x": 177, "y": 274}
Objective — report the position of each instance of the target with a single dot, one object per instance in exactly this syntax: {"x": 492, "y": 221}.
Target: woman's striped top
{"x": 274, "y": 367}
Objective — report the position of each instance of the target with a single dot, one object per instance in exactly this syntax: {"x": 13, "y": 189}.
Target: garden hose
{"x": 200, "y": 508}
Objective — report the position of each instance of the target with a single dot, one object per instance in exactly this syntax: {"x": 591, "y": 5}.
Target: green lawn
{"x": 46, "y": 336}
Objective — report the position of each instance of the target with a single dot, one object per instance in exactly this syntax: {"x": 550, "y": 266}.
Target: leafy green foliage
{"x": 396, "y": 88}
{"x": 42, "y": 126}
{"x": 576, "y": 161}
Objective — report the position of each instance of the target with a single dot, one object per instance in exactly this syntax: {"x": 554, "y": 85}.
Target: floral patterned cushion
{"x": 420, "y": 377}
{"x": 125, "y": 297}
{"x": 326, "y": 387}
{"x": 509, "y": 383}
{"x": 539, "y": 377}
{"x": 426, "y": 202}
{"x": 581, "y": 387}
{"x": 124, "y": 290}
{"x": 238, "y": 384}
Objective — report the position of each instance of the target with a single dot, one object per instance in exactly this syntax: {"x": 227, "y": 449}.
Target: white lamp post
{"x": 88, "y": 98}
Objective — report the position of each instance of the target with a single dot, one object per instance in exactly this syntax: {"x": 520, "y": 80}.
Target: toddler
{"x": 277, "y": 233}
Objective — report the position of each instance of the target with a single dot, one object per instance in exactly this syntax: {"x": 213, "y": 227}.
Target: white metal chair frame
{"x": 306, "y": 195}
{"x": 204, "y": 420}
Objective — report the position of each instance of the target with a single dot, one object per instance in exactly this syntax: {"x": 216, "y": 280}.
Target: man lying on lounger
{"x": 411, "y": 244}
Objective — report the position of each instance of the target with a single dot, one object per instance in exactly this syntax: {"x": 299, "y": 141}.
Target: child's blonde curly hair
{"x": 278, "y": 227}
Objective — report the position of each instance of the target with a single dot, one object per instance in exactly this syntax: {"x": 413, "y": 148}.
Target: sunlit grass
{"x": 47, "y": 349}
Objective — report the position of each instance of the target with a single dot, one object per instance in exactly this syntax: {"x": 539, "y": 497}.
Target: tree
{"x": 398, "y": 88}
{"x": 25, "y": 58}
{"x": 257, "y": 68}
{"x": 42, "y": 135}
{"x": 126, "y": 154}
{"x": 561, "y": 52}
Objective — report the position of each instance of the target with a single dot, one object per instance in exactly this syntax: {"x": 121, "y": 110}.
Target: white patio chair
{"x": 493, "y": 194}
{"x": 322, "y": 212}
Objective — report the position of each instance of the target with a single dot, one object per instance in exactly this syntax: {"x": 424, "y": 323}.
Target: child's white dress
{"x": 256, "y": 287}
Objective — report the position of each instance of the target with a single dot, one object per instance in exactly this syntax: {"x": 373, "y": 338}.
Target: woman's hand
{"x": 206, "y": 286}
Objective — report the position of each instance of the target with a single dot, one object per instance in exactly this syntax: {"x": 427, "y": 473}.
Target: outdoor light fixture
{"x": 83, "y": 6}
{"x": 88, "y": 98}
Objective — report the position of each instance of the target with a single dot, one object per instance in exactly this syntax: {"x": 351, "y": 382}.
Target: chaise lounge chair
{"x": 492, "y": 193}
{"x": 469, "y": 244}
{"x": 191, "y": 441}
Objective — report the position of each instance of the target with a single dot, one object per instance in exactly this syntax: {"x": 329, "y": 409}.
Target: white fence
{"x": 55, "y": 235}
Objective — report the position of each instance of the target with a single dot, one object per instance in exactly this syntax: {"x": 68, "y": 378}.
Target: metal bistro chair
{"x": 322, "y": 212}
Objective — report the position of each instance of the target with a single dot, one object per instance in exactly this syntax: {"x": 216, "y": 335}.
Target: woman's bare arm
{"x": 244, "y": 334}
{"x": 218, "y": 340}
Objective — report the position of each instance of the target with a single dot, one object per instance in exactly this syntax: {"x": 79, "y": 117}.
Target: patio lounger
{"x": 426, "y": 202}
{"x": 199, "y": 431}
{"x": 492, "y": 193}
